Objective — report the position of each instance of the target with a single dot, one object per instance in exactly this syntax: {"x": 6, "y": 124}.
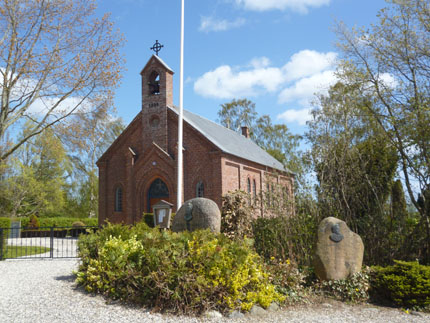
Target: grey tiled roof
{"x": 230, "y": 141}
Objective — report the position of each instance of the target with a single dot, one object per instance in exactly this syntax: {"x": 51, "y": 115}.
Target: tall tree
{"x": 56, "y": 59}
{"x": 355, "y": 166}
{"x": 276, "y": 139}
{"x": 391, "y": 62}
{"x": 237, "y": 113}
{"x": 87, "y": 136}
{"x": 36, "y": 178}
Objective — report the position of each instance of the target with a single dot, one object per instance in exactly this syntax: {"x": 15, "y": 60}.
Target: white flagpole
{"x": 181, "y": 111}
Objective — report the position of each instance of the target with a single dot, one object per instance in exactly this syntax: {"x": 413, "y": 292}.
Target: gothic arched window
{"x": 118, "y": 199}
{"x": 200, "y": 189}
{"x": 254, "y": 188}
{"x": 249, "y": 185}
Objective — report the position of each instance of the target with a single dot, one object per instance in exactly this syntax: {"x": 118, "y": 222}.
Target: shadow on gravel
{"x": 69, "y": 278}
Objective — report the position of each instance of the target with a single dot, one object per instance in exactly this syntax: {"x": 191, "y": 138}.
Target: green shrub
{"x": 281, "y": 238}
{"x": 237, "y": 215}
{"x": 34, "y": 222}
{"x": 5, "y": 223}
{"x": 25, "y": 220}
{"x": 405, "y": 284}
{"x": 271, "y": 239}
{"x": 78, "y": 224}
{"x": 148, "y": 218}
{"x": 352, "y": 289}
{"x": 66, "y": 222}
{"x": 187, "y": 272}
{"x": 288, "y": 278}
{"x": 89, "y": 245}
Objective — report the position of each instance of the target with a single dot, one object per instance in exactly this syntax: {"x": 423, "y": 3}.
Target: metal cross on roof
{"x": 157, "y": 47}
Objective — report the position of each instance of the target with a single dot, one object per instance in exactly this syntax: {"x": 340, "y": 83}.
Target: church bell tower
{"x": 157, "y": 95}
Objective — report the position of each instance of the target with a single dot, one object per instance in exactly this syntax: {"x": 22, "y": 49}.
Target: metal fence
{"x": 44, "y": 242}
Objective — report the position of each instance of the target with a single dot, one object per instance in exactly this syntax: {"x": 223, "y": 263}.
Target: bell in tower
{"x": 154, "y": 83}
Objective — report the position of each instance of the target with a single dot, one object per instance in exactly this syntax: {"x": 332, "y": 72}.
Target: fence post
{"x": 51, "y": 243}
{"x": 1, "y": 243}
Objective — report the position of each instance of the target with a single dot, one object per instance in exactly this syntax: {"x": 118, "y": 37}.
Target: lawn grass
{"x": 20, "y": 251}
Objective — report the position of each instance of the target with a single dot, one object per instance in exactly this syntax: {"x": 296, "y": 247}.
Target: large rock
{"x": 339, "y": 251}
{"x": 197, "y": 213}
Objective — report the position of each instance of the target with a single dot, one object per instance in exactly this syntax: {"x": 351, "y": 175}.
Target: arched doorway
{"x": 157, "y": 191}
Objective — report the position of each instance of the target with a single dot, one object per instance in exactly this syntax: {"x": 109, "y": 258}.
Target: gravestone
{"x": 15, "y": 230}
{"x": 339, "y": 251}
{"x": 197, "y": 213}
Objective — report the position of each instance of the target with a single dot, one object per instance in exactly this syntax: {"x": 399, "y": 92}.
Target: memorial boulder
{"x": 197, "y": 213}
{"x": 339, "y": 251}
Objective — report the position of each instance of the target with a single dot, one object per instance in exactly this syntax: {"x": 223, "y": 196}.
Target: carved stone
{"x": 197, "y": 213}
{"x": 339, "y": 251}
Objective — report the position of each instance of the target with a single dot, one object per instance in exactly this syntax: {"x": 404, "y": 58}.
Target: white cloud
{"x": 388, "y": 80}
{"x": 301, "y": 6}
{"x": 49, "y": 97}
{"x": 41, "y": 107}
{"x": 208, "y": 24}
{"x": 259, "y": 77}
{"x": 306, "y": 73}
{"x": 260, "y": 62}
{"x": 308, "y": 62}
{"x": 304, "y": 89}
{"x": 300, "y": 116}
{"x": 226, "y": 82}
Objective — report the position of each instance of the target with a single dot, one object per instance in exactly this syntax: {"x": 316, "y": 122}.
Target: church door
{"x": 157, "y": 191}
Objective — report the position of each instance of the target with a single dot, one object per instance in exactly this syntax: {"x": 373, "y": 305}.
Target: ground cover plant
{"x": 354, "y": 289}
{"x": 176, "y": 272}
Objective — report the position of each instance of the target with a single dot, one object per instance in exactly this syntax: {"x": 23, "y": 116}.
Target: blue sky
{"x": 277, "y": 53}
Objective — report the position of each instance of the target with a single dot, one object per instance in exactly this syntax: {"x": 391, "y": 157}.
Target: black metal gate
{"x": 44, "y": 242}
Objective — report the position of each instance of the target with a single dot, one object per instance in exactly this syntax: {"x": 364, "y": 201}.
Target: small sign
{"x": 162, "y": 214}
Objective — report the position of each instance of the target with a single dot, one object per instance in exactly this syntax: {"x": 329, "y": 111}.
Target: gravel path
{"x": 44, "y": 291}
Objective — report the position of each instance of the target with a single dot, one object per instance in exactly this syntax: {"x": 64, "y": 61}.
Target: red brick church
{"x": 140, "y": 167}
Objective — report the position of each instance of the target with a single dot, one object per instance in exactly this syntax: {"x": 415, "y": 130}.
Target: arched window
{"x": 272, "y": 193}
{"x": 157, "y": 191}
{"x": 200, "y": 189}
{"x": 249, "y": 185}
{"x": 118, "y": 199}
{"x": 254, "y": 188}
{"x": 154, "y": 83}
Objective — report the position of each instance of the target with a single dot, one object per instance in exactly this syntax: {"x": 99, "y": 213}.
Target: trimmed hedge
{"x": 67, "y": 222}
{"x": 5, "y": 223}
{"x": 59, "y": 222}
{"x": 405, "y": 284}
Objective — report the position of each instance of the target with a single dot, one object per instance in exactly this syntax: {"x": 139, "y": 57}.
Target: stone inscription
{"x": 153, "y": 105}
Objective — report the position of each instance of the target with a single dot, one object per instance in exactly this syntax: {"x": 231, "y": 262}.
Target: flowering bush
{"x": 178, "y": 272}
